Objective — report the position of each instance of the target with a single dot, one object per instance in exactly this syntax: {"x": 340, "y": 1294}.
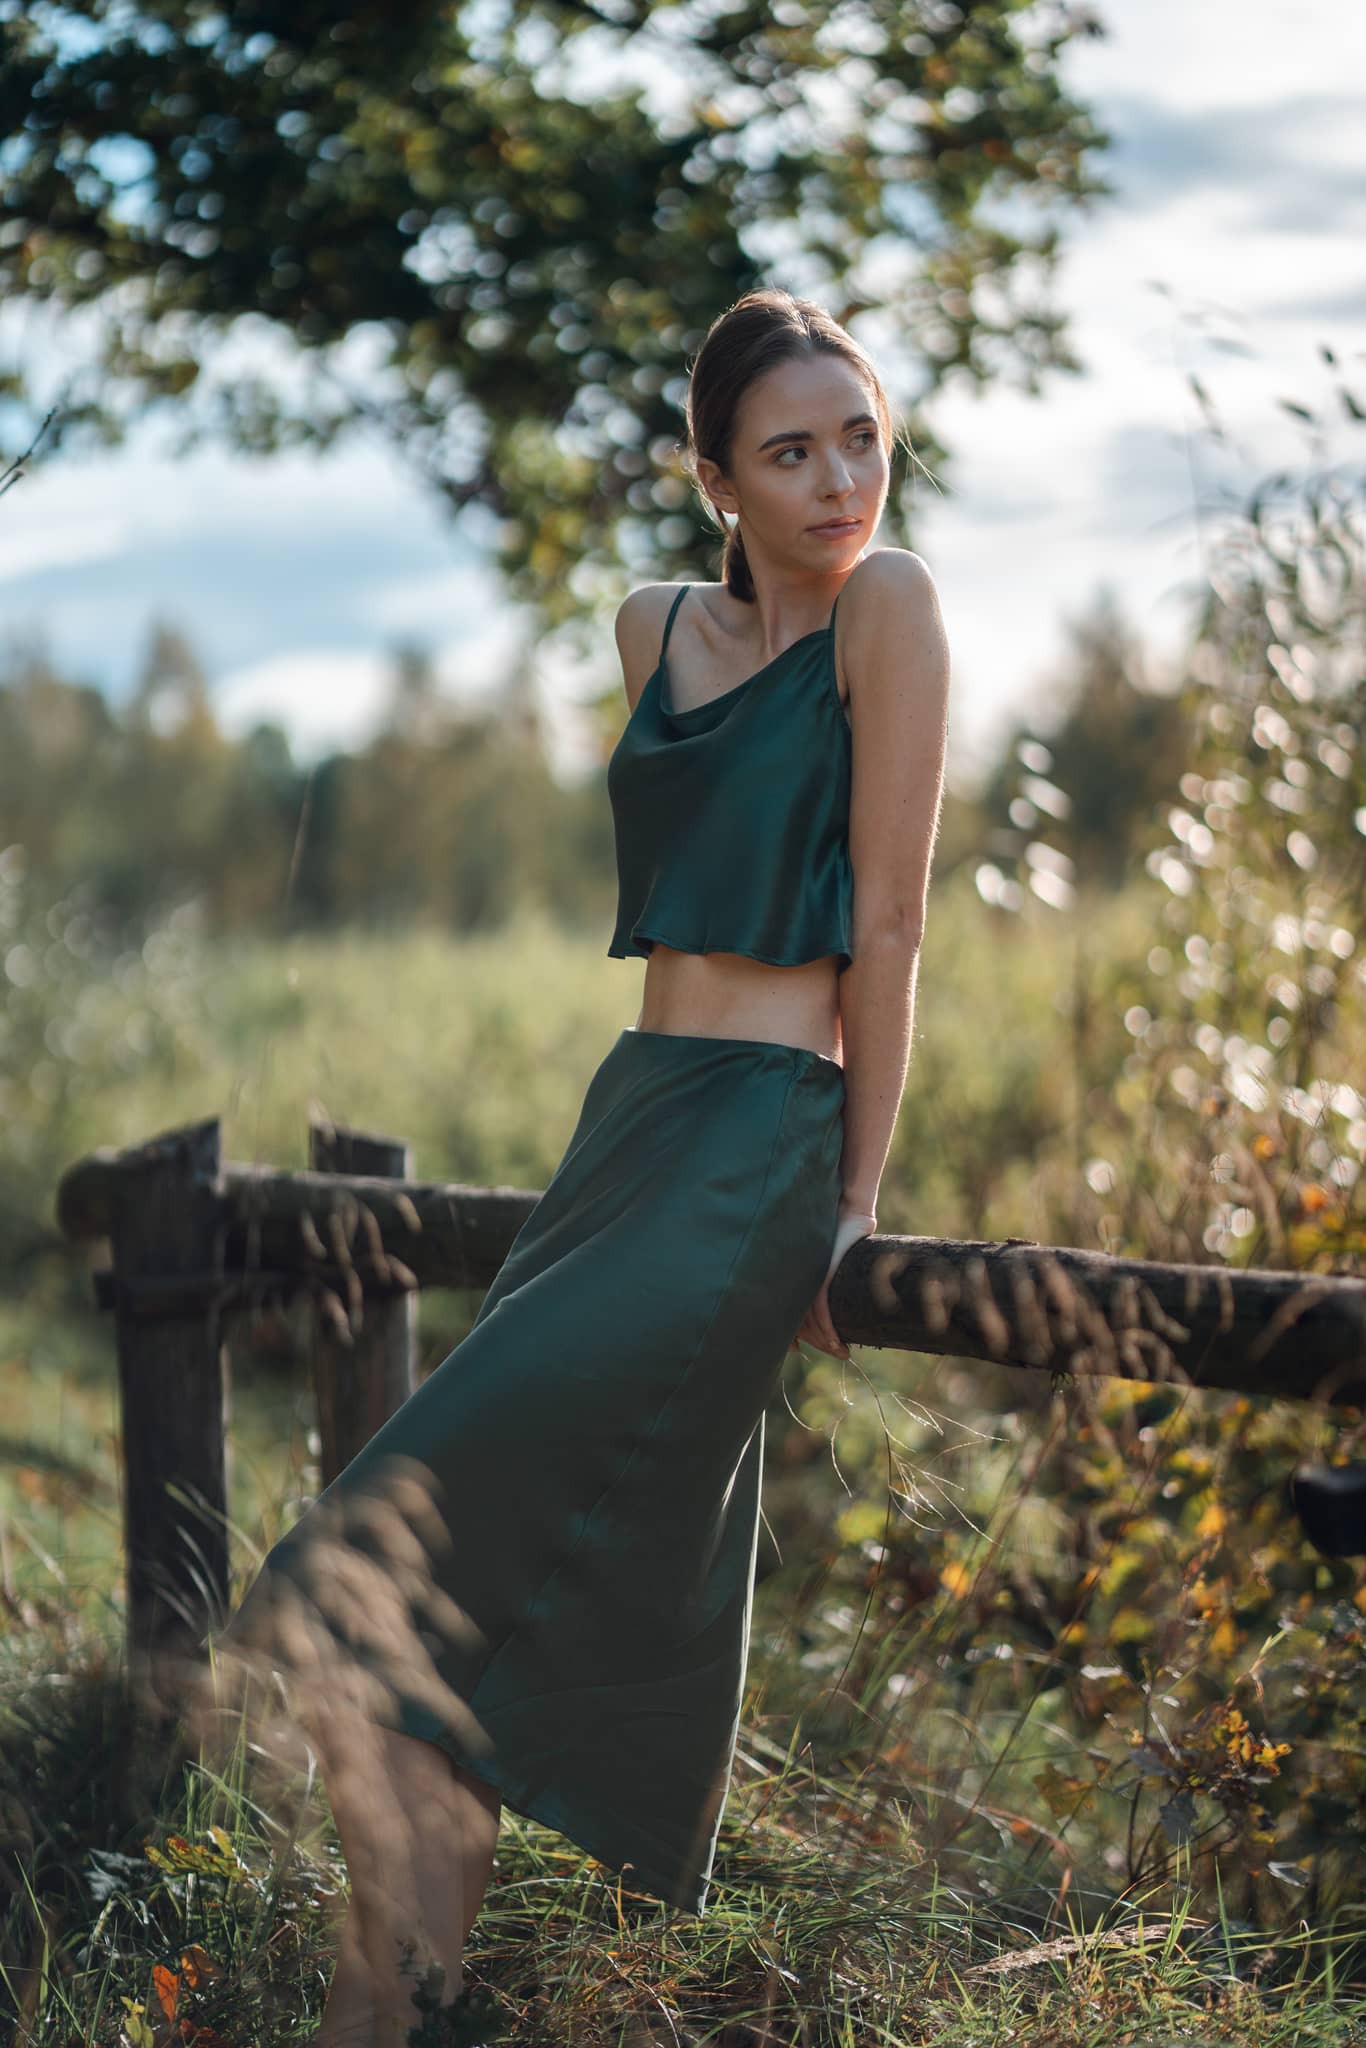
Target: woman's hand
{"x": 817, "y": 1328}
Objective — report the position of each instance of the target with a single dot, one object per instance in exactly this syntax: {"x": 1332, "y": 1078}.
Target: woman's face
{"x": 807, "y": 449}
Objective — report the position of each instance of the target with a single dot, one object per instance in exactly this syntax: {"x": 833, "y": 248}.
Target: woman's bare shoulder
{"x": 889, "y": 569}
{"x": 639, "y": 627}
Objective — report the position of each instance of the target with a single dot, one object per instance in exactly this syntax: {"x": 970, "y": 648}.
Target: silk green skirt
{"x": 544, "y": 1560}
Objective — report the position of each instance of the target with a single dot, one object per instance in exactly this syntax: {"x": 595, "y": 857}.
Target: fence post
{"x": 359, "y": 1385}
{"x": 173, "y": 1387}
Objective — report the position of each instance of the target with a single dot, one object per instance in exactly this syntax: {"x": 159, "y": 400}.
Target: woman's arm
{"x": 639, "y": 627}
{"x": 897, "y": 660}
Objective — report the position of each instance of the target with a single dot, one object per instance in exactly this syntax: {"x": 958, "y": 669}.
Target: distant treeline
{"x": 452, "y": 815}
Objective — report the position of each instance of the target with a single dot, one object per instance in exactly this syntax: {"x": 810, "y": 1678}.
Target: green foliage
{"x": 1110, "y": 1608}
{"x": 499, "y": 270}
{"x": 1083, "y": 777}
{"x": 148, "y": 810}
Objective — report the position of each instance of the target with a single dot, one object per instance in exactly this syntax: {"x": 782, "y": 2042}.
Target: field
{"x": 1054, "y": 1719}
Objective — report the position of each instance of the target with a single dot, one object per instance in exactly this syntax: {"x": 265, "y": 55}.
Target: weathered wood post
{"x": 359, "y": 1384}
{"x": 196, "y": 1240}
{"x": 169, "y": 1224}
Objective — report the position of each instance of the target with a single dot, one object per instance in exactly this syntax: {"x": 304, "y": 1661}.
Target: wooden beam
{"x": 1052, "y": 1308}
{"x": 1048, "y": 1307}
{"x": 445, "y": 1233}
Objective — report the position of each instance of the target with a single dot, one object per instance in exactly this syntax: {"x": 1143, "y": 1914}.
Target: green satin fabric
{"x": 731, "y": 818}
{"x": 574, "y": 1492}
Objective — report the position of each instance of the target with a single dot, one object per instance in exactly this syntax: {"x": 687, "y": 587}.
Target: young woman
{"x": 534, "y": 1584}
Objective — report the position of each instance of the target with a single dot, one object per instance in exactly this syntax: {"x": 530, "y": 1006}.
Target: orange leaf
{"x": 167, "y": 1986}
{"x": 198, "y": 1966}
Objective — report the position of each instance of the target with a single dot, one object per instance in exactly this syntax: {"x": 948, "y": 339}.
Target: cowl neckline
{"x": 728, "y": 697}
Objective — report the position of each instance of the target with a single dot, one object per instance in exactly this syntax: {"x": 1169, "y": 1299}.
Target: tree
{"x": 468, "y": 246}
{"x": 1090, "y": 769}
{"x": 171, "y": 694}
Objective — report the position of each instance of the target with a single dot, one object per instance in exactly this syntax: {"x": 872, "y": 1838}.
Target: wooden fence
{"x": 198, "y": 1242}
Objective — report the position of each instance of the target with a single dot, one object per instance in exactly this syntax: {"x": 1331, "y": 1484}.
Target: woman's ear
{"x": 713, "y": 483}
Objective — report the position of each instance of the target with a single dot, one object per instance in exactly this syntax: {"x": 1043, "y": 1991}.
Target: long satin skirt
{"x": 544, "y": 1561}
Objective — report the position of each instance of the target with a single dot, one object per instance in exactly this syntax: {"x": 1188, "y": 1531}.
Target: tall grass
{"x": 991, "y": 1612}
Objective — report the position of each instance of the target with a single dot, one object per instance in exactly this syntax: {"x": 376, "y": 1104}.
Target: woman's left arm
{"x": 897, "y": 662}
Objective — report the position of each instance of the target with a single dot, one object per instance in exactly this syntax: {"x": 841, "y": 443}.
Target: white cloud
{"x": 326, "y": 698}
{"x": 1226, "y": 128}
{"x": 332, "y": 698}
{"x": 54, "y": 546}
{"x": 427, "y": 602}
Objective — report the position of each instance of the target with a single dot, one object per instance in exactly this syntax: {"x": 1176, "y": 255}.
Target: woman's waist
{"x": 729, "y": 995}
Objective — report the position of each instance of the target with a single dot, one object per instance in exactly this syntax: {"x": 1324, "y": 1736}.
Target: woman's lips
{"x": 836, "y": 526}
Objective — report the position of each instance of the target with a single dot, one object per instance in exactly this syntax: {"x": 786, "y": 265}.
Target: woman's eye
{"x": 864, "y": 434}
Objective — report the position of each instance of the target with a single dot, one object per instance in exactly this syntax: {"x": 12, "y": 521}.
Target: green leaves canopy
{"x": 496, "y": 232}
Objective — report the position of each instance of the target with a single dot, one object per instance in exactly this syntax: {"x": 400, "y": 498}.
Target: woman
{"x": 539, "y": 1572}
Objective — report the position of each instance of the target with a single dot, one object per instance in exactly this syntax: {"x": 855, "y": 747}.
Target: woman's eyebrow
{"x": 855, "y": 419}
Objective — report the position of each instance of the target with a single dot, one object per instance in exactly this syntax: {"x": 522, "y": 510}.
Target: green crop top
{"x": 732, "y": 818}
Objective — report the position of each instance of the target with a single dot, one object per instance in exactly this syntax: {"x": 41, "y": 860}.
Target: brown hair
{"x": 766, "y": 327}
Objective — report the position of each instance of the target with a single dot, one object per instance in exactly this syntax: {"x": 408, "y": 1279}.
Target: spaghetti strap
{"x": 831, "y": 627}
{"x": 668, "y": 623}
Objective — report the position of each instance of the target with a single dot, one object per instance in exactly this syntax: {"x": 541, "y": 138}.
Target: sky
{"x": 1231, "y": 248}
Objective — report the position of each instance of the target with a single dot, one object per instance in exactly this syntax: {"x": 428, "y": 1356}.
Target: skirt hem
{"x": 550, "y": 1812}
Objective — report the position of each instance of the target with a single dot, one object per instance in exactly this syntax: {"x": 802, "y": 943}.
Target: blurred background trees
{"x": 452, "y": 813}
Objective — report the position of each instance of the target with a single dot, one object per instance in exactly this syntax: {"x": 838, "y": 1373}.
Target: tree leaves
{"x": 514, "y": 245}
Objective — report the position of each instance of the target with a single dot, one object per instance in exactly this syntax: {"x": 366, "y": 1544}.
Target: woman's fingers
{"x": 831, "y": 1339}
{"x": 819, "y": 1331}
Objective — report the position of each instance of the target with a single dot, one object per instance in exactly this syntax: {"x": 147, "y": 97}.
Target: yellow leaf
{"x": 1064, "y": 1795}
{"x": 135, "y": 2028}
{"x": 956, "y": 1577}
{"x": 1213, "y": 1522}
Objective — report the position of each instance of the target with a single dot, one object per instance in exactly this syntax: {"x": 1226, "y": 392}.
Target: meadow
{"x": 1054, "y": 1722}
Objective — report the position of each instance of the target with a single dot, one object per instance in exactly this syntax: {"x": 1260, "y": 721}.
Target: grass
{"x": 208, "y": 1892}
{"x": 982, "y": 1605}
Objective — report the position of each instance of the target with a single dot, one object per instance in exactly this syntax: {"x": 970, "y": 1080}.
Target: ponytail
{"x": 735, "y": 566}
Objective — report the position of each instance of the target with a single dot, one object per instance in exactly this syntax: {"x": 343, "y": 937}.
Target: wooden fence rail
{"x": 198, "y": 1242}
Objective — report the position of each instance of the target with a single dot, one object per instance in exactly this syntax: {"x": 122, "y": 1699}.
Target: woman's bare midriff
{"x": 728, "y": 995}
